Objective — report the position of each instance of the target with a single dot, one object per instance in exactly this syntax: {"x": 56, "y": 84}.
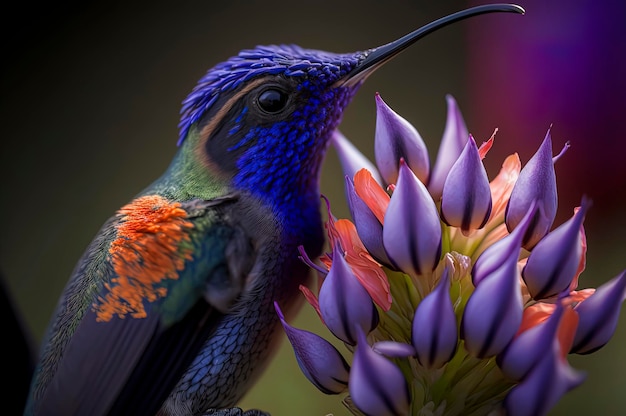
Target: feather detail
{"x": 149, "y": 248}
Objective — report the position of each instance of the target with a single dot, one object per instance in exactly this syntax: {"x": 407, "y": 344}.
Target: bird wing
{"x": 148, "y": 312}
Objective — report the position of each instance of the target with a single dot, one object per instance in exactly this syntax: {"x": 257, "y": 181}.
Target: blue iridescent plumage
{"x": 289, "y": 60}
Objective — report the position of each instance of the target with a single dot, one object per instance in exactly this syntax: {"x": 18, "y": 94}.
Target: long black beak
{"x": 377, "y": 57}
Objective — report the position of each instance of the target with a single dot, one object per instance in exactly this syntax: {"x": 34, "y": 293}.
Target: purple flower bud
{"x": 434, "y": 330}
{"x": 318, "y": 359}
{"x": 466, "y": 198}
{"x": 369, "y": 228}
{"x": 351, "y": 159}
{"x": 494, "y": 311}
{"x": 546, "y": 383}
{"x": 377, "y": 386}
{"x": 554, "y": 261}
{"x": 412, "y": 230}
{"x": 452, "y": 142}
{"x": 598, "y": 315}
{"x": 529, "y": 347}
{"x": 501, "y": 251}
{"x": 344, "y": 303}
{"x": 397, "y": 139}
{"x": 536, "y": 182}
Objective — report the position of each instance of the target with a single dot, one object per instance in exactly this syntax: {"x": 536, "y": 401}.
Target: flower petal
{"x": 583, "y": 255}
{"x": 371, "y": 193}
{"x": 351, "y": 159}
{"x": 412, "y": 230}
{"x": 501, "y": 251}
{"x": 466, "y": 197}
{"x": 397, "y": 139}
{"x": 554, "y": 261}
{"x": 312, "y": 300}
{"x": 485, "y": 147}
{"x": 546, "y": 383}
{"x": 535, "y": 314}
{"x": 344, "y": 303}
{"x": 493, "y": 312}
{"x": 377, "y": 386}
{"x": 598, "y": 316}
{"x": 370, "y": 230}
{"x": 503, "y": 184}
{"x": 528, "y": 348}
{"x": 536, "y": 182}
{"x": 318, "y": 359}
{"x": 453, "y": 140}
{"x": 434, "y": 328}
{"x": 369, "y": 272}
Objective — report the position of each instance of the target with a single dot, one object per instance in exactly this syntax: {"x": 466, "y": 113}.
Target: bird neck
{"x": 186, "y": 179}
{"x": 291, "y": 191}
{"x": 282, "y": 168}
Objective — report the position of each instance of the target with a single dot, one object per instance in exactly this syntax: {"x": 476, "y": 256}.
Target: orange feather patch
{"x": 147, "y": 250}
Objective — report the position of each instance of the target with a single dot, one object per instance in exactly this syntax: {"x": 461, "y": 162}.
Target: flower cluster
{"x": 453, "y": 294}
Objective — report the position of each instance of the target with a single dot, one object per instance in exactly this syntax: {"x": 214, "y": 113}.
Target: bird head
{"x": 261, "y": 121}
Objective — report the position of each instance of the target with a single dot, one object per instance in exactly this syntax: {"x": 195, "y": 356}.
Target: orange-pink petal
{"x": 367, "y": 270}
{"x": 312, "y": 299}
{"x": 567, "y": 330}
{"x": 502, "y": 185}
{"x": 535, "y": 314}
{"x": 580, "y": 295}
{"x": 486, "y": 146}
{"x": 371, "y": 193}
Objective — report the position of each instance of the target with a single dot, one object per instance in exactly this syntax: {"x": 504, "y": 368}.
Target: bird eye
{"x": 272, "y": 100}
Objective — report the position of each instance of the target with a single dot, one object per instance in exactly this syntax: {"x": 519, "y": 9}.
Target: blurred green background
{"x": 91, "y": 93}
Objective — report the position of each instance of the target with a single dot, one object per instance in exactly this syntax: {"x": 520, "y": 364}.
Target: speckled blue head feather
{"x": 288, "y": 60}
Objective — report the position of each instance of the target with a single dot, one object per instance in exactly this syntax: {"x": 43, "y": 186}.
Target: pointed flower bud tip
{"x": 344, "y": 303}
{"x": 412, "y": 231}
{"x": 554, "y": 261}
{"x": 318, "y": 359}
{"x": 377, "y": 386}
{"x": 598, "y": 316}
{"x": 502, "y": 250}
{"x": 368, "y": 227}
{"x": 546, "y": 383}
{"x": 453, "y": 140}
{"x": 351, "y": 158}
{"x": 528, "y": 348}
{"x": 536, "y": 182}
{"x": 396, "y": 138}
{"x": 434, "y": 328}
{"x": 466, "y": 197}
{"x": 493, "y": 312}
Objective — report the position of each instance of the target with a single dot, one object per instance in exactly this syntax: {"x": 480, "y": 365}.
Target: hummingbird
{"x": 170, "y": 310}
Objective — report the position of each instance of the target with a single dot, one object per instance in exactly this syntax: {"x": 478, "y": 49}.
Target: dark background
{"x": 89, "y": 111}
